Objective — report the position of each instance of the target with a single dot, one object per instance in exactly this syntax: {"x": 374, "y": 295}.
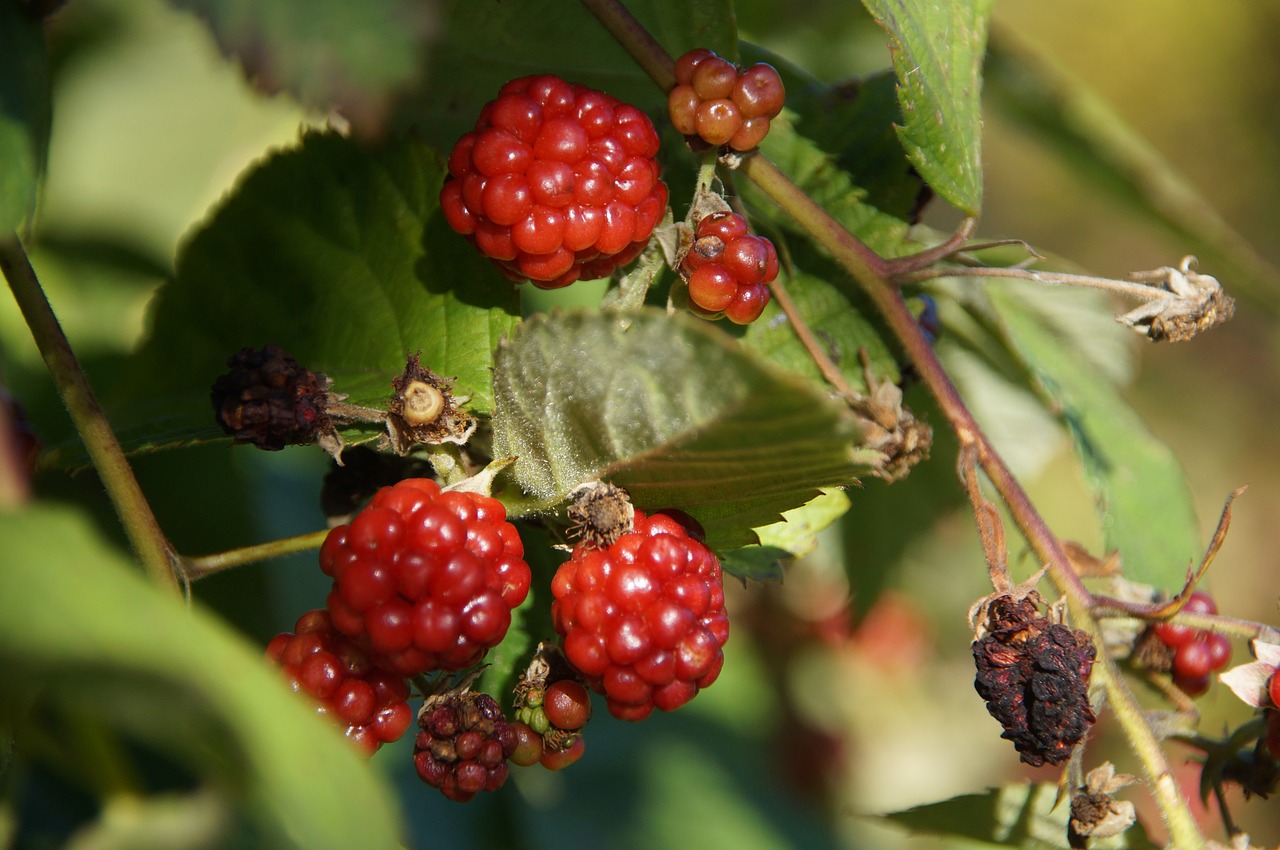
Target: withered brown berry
{"x": 269, "y": 400}
{"x": 1034, "y": 676}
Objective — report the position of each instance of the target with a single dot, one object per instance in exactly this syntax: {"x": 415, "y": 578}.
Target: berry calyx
{"x": 369, "y": 702}
{"x": 425, "y": 579}
{"x": 721, "y": 104}
{"x": 557, "y": 182}
{"x": 464, "y": 744}
{"x": 728, "y": 269}
{"x": 643, "y": 620}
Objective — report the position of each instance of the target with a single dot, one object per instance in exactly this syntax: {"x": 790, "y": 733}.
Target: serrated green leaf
{"x": 125, "y": 655}
{"x": 1143, "y": 498}
{"x": 339, "y": 255}
{"x": 937, "y": 48}
{"x": 1017, "y": 815}
{"x": 25, "y": 113}
{"x": 483, "y": 51}
{"x": 328, "y": 53}
{"x": 672, "y": 409}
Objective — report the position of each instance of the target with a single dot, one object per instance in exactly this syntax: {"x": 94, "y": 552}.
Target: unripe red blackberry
{"x": 369, "y": 702}
{"x": 643, "y": 619}
{"x": 1034, "y": 677}
{"x": 721, "y": 104}
{"x": 1196, "y": 654}
{"x": 269, "y": 400}
{"x": 426, "y": 579}
{"x": 464, "y": 744}
{"x": 728, "y": 269}
{"x": 557, "y": 182}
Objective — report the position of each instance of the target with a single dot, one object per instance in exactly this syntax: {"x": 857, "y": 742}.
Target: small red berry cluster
{"x": 557, "y": 182}
{"x": 729, "y": 269}
{"x": 464, "y": 745}
{"x": 368, "y": 700}
{"x": 643, "y": 619}
{"x": 549, "y": 725}
{"x": 1196, "y": 654}
{"x": 426, "y": 579}
{"x": 722, "y": 104}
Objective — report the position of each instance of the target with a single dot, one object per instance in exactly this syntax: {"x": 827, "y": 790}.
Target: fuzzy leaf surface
{"x": 178, "y": 679}
{"x": 937, "y": 48}
{"x": 25, "y": 113}
{"x": 672, "y": 409}
{"x": 327, "y": 53}
{"x": 1016, "y": 816}
{"x": 339, "y": 255}
{"x": 1142, "y": 495}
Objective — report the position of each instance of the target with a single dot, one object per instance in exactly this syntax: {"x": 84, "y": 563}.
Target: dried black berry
{"x": 269, "y": 400}
{"x": 1034, "y": 676}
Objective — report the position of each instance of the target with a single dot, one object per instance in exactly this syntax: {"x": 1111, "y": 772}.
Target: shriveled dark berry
{"x": 464, "y": 744}
{"x": 269, "y": 400}
{"x": 1034, "y": 677}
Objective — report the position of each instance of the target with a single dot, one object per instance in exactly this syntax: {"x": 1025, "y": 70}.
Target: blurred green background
{"x": 818, "y": 719}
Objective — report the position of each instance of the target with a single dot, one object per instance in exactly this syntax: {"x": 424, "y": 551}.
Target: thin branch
{"x": 1128, "y": 288}
{"x": 148, "y": 541}
{"x": 202, "y": 566}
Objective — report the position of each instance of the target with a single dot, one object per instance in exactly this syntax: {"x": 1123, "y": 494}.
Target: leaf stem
{"x": 195, "y": 568}
{"x": 148, "y": 541}
{"x": 1128, "y": 288}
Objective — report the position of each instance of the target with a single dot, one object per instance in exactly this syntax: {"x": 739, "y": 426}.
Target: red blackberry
{"x": 721, "y": 104}
{"x": 1196, "y": 654}
{"x": 728, "y": 269}
{"x": 370, "y": 702}
{"x": 425, "y": 579}
{"x": 556, "y": 182}
{"x": 464, "y": 745}
{"x": 643, "y": 620}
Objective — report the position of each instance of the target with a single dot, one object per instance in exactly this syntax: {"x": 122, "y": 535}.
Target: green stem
{"x": 146, "y": 538}
{"x": 207, "y": 565}
{"x": 871, "y": 272}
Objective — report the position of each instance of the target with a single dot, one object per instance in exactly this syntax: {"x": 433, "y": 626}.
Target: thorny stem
{"x": 201, "y": 566}
{"x": 140, "y": 525}
{"x": 869, "y": 270}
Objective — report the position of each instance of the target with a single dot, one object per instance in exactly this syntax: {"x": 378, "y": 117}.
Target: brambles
{"x": 728, "y": 269}
{"x": 426, "y": 579}
{"x": 371, "y": 703}
{"x": 269, "y": 400}
{"x": 556, "y": 182}
{"x": 722, "y": 104}
{"x": 643, "y": 620}
{"x": 1195, "y": 654}
{"x": 1034, "y": 676}
{"x": 463, "y": 746}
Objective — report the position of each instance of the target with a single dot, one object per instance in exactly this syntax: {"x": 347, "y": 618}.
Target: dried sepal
{"x": 1195, "y": 303}
{"x": 600, "y": 513}
{"x": 890, "y": 427}
{"x": 1095, "y": 813}
{"x": 423, "y": 410}
{"x": 1249, "y": 681}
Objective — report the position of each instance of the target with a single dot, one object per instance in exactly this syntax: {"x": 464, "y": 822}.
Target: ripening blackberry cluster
{"x": 722, "y": 104}
{"x": 729, "y": 269}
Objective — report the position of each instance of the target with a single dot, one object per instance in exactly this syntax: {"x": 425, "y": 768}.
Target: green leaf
{"x": 937, "y": 49}
{"x": 509, "y": 40}
{"x": 147, "y": 667}
{"x": 1101, "y": 147}
{"x": 328, "y": 53}
{"x": 1143, "y": 499}
{"x": 25, "y": 113}
{"x": 1017, "y": 815}
{"x": 672, "y": 409}
{"x": 340, "y": 256}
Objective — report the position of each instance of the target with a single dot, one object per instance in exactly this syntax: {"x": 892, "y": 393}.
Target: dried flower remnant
{"x": 423, "y": 410}
{"x": 1094, "y": 812}
{"x": 600, "y": 513}
{"x": 1195, "y": 303}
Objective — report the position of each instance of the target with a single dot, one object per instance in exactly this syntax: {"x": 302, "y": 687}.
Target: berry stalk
{"x": 140, "y": 525}
{"x": 872, "y": 272}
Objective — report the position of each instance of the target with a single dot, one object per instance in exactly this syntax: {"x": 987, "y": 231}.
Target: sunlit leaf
{"x": 672, "y": 409}
{"x": 937, "y": 50}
